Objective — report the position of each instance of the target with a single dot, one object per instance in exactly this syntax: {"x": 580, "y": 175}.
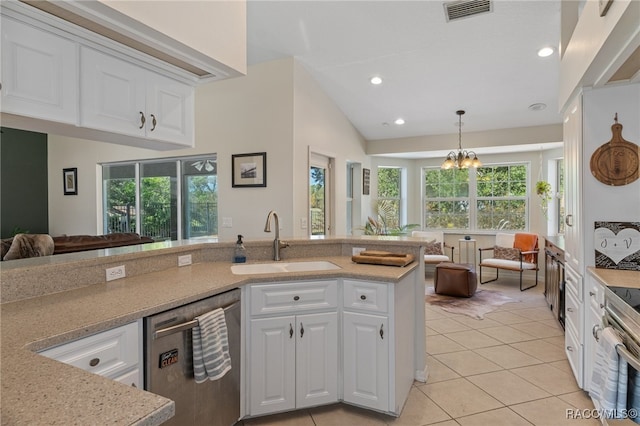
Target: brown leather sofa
{"x": 76, "y": 243}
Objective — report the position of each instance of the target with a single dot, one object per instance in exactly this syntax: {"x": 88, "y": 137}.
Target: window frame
{"x": 473, "y": 198}
{"x": 400, "y": 199}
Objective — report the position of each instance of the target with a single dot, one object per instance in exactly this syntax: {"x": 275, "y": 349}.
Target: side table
{"x": 469, "y": 251}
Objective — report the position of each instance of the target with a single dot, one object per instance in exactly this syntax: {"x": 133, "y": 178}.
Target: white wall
{"x": 603, "y": 202}
{"x": 320, "y": 127}
{"x": 247, "y": 114}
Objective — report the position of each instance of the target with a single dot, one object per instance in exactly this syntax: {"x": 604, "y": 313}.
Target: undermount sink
{"x": 279, "y": 267}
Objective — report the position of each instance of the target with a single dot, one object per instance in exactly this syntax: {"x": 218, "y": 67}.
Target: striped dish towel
{"x": 211, "y": 358}
{"x": 609, "y": 379}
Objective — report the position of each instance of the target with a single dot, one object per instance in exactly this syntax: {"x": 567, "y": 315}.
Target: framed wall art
{"x": 70, "y": 181}
{"x": 249, "y": 170}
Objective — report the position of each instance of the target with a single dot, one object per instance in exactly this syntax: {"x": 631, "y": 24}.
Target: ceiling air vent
{"x": 465, "y": 8}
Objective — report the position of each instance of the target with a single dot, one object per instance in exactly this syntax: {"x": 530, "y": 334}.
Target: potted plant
{"x": 543, "y": 189}
{"x": 378, "y": 226}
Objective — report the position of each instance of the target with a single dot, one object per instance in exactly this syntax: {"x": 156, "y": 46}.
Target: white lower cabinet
{"x": 574, "y": 322}
{"x": 293, "y": 359}
{"x": 115, "y": 353}
{"x": 594, "y": 312}
{"x": 313, "y": 343}
{"x": 366, "y": 360}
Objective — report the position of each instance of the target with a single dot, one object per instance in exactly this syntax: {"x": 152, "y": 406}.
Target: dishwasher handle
{"x": 185, "y": 325}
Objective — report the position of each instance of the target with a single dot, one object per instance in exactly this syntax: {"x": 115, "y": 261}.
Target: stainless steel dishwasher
{"x": 169, "y": 363}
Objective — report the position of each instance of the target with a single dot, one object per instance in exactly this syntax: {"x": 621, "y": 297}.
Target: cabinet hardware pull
{"x": 153, "y": 122}
{"x": 594, "y": 331}
{"x": 133, "y": 385}
{"x": 301, "y": 330}
{"x": 142, "y": 120}
{"x": 569, "y": 309}
{"x": 568, "y": 218}
{"x": 363, "y": 297}
{"x": 591, "y": 293}
{"x": 602, "y": 306}
{"x": 296, "y": 298}
{"x": 381, "y": 331}
{"x": 290, "y": 331}
{"x": 94, "y": 362}
{"x": 570, "y": 348}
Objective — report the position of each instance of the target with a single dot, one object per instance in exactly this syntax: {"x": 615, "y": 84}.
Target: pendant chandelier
{"x": 463, "y": 158}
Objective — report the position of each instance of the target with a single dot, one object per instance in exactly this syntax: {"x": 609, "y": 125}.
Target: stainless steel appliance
{"x": 169, "y": 363}
{"x": 555, "y": 280}
{"x": 622, "y": 312}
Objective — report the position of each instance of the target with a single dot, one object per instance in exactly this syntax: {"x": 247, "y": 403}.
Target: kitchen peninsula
{"x": 54, "y": 300}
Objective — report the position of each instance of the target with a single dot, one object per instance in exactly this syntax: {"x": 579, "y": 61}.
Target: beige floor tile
{"x": 467, "y": 363}
{"x": 508, "y": 388}
{"x": 459, "y": 397}
{"x": 579, "y": 399}
{"x": 446, "y": 325}
{"x": 542, "y": 350}
{"x": 439, "y": 372}
{"x": 506, "y": 317}
{"x": 550, "y": 411}
{"x": 419, "y": 410}
{"x": 552, "y": 323}
{"x": 447, "y": 423}
{"x": 343, "y": 414}
{"x": 536, "y": 314}
{"x": 556, "y": 341}
{"x": 507, "y": 334}
{"x": 433, "y": 313}
{"x": 499, "y": 417}
{"x": 473, "y": 339}
{"x": 439, "y": 344}
{"x": 507, "y": 356}
{"x": 476, "y": 324}
{"x": 539, "y": 330}
{"x": 430, "y": 331}
{"x": 292, "y": 418}
{"x": 549, "y": 378}
{"x": 563, "y": 365}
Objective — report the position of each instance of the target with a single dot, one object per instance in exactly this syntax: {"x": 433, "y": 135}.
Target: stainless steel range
{"x": 622, "y": 312}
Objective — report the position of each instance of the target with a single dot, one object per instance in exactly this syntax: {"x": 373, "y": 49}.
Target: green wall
{"x": 23, "y": 182}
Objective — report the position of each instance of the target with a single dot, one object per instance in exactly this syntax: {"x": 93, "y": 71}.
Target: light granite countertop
{"x": 37, "y": 390}
{"x": 616, "y": 277}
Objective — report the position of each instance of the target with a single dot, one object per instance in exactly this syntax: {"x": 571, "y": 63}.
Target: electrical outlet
{"x": 115, "y": 273}
{"x": 356, "y": 250}
{"x": 303, "y": 223}
{"x": 184, "y": 260}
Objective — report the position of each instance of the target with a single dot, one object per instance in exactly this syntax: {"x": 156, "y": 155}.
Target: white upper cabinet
{"x": 121, "y": 97}
{"x": 39, "y": 73}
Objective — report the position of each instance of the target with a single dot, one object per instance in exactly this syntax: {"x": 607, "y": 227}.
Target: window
{"x": 488, "y": 198}
{"x": 446, "y": 198}
{"x": 501, "y": 201}
{"x": 389, "y": 196}
{"x": 144, "y": 196}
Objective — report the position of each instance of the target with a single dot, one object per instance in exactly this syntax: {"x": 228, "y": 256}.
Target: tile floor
{"x": 507, "y": 369}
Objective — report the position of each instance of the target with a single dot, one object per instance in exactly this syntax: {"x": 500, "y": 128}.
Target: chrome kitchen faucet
{"x": 277, "y": 244}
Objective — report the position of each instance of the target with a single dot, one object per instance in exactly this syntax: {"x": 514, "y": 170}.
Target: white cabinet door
{"x": 170, "y": 110}
{"x": 272, "y": 365}
{"x": 366, "y": 360}
{"x": 594, "y": 311}
{"x": 572, "y": 131}
{"x": 39, "y": 73}
{"x": 120, "y": 97}
{"x": 112, "y": 94}
{"x": 316, "y": 359}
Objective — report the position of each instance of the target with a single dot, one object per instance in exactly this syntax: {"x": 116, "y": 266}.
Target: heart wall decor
{"x": 617, "y": 245}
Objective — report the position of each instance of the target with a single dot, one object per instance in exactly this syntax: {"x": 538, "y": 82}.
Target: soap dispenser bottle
{"x": 240, "y": 253}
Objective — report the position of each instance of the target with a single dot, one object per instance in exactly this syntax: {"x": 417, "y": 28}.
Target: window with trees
{"x": 487, "y": 198}
{"x": 389, "y": 196}
{"x": 143, "y": 197}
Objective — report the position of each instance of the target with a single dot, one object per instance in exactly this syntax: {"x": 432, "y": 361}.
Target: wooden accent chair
{"x": 435, "y": 248}
{"x": 513, "y": 252}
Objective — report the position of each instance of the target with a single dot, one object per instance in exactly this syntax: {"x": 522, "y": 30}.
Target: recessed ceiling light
{"x": 376, "y": 80}
{"x": 399, "y": 121}
{"x": 545, "y": 51}
{"x": 537, "y": 107}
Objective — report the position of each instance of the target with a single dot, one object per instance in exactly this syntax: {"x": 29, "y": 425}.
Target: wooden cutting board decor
{"x": 383, "y": 258}
{"x": 616, "y": 162}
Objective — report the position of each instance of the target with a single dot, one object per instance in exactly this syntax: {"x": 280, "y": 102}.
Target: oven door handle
{"x": 628, "y": 356}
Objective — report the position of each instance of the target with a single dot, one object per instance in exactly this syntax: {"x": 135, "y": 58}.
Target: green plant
{"x": 543, "y": 189}
{"x": 385, "y": 221}
{"x": 17, "y": 230}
